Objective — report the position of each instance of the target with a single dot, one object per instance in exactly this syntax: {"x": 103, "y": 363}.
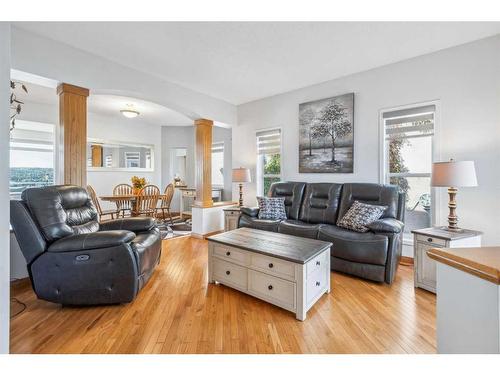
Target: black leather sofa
{"x": 75, "y": 260}
{"x": 313, "y": 210}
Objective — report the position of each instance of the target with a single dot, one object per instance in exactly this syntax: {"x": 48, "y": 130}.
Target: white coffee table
{"x": 287, "y": 271}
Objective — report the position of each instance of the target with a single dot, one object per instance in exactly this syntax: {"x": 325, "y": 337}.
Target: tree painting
{"x": 326, "y": 135}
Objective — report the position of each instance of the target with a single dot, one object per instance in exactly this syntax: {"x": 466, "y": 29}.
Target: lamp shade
{"x": 454, "y": 174}
{"x": 241, "y": 175}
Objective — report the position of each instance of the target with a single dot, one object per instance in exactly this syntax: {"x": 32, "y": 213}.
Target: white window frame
{"x": 436, "y": 155}
{"x": 54, "y": 149}
{"x": 260, "y": 161}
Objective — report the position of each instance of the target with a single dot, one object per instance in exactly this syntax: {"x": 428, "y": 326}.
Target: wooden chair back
{"x": 147, "y": 200}
{"x": 123, "y": 189}
{"x": 167, "y": 196}
{"x": 94, "y": 198}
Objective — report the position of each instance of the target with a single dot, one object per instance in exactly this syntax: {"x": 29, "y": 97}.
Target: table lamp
{"x": 241, "y": 175}
{"x": 453, "y": 174}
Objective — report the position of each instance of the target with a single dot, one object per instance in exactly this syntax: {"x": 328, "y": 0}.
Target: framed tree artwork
{"x": 326, "y": 136}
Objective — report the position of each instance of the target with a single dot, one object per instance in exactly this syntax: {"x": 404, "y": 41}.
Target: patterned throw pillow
{"x": 272, "y": 208}
{"x": 359, "y": 215}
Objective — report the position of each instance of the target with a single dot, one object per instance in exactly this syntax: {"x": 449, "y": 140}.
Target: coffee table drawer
{"x": 272, "y": 289}
{"x": 273, "y": 266}
{"x": 317, "y": 263}
{"x": 230, "y": 273}
{"x": 231, "y": 254}
{"x": 316, "y": 284}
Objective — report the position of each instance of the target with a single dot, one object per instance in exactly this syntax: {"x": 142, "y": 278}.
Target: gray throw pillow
{"x": 360, "y": 215}
{"x": 272, "y": 208}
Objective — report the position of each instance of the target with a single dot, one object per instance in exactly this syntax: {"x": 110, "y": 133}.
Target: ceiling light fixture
{"x": 130, "y": 112}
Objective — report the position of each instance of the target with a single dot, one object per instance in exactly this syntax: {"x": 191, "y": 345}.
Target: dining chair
{"x": 123, "y": 205}
{"x": 165, "y": 201}
{"x": 146, "y": 201}
{"x": 100, "y": 211}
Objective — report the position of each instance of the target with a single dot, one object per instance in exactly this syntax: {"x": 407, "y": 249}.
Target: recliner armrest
{"x": 250, "y": 211}
{"x": 386, "y": 225}
{"x": 133, "y": 224}
{"x": 96, "y": 240}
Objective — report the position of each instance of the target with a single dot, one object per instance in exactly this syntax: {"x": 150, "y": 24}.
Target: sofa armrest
{"x": 250, "y": 211}
{"x": 386, "y": 225}
{"x": 133, "y": 224}
{"x": 96, "y": 240}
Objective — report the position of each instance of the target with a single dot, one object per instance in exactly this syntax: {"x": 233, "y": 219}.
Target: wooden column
{"x": 73, "y": 133}
{"x": 203, "y": 162}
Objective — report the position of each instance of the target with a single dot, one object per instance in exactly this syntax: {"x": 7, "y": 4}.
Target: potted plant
{"x": 138, "y": 183}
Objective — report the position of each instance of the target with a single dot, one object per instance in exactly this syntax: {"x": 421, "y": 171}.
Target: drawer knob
{"x": 317, "y": 283}
{"x": 318, "y": 263}
{"x": 270, "y": 287}
{"x": 228, "y": 253}
{"x": 271, "y": 265}
{"x": 228, "y": 272}
{"x": 429, "y": 239}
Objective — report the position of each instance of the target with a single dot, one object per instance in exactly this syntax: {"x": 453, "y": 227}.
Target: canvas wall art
{"x": 326, "y": 136}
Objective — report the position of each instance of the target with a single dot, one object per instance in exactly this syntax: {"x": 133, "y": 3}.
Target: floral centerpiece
{"x": 138, "y": 183}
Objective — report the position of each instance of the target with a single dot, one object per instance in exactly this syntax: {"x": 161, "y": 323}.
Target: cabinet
{"x": 437, "y": 237}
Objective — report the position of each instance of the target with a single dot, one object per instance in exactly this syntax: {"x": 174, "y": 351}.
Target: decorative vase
{"x": 136, "y": 191}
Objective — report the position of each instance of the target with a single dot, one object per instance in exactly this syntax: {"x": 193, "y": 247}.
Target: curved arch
{"x": 137, "y": 95}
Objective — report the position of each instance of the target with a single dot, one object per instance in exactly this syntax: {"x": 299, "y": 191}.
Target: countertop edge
{"x": 482, "y": 271}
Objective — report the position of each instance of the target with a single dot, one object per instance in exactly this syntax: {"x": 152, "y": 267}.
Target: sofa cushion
{"x": 360, "y": 215}
{"x": 271, "y": 208}
{"x": 293, "y": 193}
{"x": 321, "y": 203}
{"x": 382, "y": 195}
{"x": 357, "y": 247}
{"x": 299, "y": 228}
{"x": 253, "y": 222}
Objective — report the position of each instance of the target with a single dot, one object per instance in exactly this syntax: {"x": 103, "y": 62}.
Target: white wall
{"x": 466, "y": 81}
{"x": 4, "y": 187}
{"x": 47, "y": 58}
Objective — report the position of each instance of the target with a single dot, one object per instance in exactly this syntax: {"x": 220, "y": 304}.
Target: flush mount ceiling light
{"x": 129, "y": 112}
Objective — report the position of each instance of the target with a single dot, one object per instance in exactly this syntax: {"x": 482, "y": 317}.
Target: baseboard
{"x": 406, "y": 261}
{"x": 204, "y": 236}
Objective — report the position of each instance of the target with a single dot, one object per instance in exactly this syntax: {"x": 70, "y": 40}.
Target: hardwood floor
{"x": 177, "y": 312}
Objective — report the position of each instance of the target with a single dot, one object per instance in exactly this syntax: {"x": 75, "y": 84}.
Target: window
{"x": 408, "y": 156}
{"x": 218, "y": 164}
{"x": 132, "y": 159}
{"x": 268, "y": 159}
{"x": 31, "y": 156}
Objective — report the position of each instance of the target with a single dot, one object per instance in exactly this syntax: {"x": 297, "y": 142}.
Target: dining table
{"x": 126, "y": 197}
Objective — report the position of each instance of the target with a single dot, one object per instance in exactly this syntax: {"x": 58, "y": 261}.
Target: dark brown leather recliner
{"x": 73, "y": 259}
{"x": 313, "y": 210}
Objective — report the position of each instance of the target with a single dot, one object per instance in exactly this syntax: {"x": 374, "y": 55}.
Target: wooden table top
{"x": 483, "y": 262}
{"x": 123, "y": 197}
{"x": 278, "y": 245}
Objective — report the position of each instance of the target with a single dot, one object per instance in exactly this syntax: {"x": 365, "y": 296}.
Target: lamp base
{"x": 448, "y": 229}
{"x": 241, "y": 196}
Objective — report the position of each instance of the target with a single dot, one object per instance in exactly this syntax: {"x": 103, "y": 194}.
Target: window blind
{"x": 269, "y": 142}
{"x": 412, "y": 122}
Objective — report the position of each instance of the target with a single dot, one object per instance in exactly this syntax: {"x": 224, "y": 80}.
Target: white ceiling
{"x": 243, "y": 61}
{"x": 110, "y": 105}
